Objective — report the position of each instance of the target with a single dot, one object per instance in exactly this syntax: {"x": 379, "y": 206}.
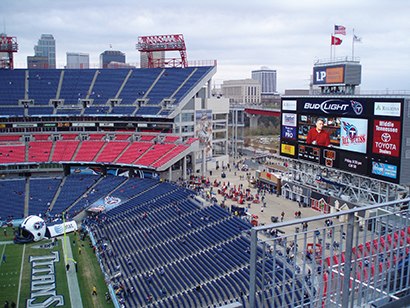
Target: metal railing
{"x": 352, "y": 258}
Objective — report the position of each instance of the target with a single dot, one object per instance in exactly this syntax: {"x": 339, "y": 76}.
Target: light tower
{"x": 8, "y": 44}
{"x": 172, "y": 42}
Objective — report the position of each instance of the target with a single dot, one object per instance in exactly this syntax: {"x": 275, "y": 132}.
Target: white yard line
{"x": 21, "y": 274}
{"x": 1, "y": 257}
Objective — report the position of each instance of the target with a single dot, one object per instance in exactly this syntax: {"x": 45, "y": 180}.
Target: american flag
{"x": 340, "y": 30}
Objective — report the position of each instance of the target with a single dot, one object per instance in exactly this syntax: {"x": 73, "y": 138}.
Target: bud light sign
{"x": 333, "y": 107}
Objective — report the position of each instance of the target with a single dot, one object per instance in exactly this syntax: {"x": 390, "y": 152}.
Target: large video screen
{"x": 357, "y": 135}
{"x": 336, "y": 132}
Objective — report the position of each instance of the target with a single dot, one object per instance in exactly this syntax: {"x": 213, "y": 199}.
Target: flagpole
{"x": 353, "y": 46}
{"x": 331, "y": 41}
{"x": 334, "y": 47}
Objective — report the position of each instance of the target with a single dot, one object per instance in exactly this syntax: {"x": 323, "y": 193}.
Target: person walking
{"x": 94, "y": 290}
{"x": 4, "y": 257}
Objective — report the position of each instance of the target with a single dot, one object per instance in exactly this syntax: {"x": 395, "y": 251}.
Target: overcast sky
{"x": 241, "y": 35}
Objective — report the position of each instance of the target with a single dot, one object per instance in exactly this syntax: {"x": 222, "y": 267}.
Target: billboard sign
{"x": 203, "y": 131}
{"x": 287, "y": 149}
{"x": 289, "y": 119}
{"x": 385, "y": 170}
{"x": 387, "y": 109}
{"x": 333, "y": 107}
{"x": 328, "y": 75}
{"x": 289, "y": 132}
{"x": 289, "y": 105}
{"x": 386, "y": 137}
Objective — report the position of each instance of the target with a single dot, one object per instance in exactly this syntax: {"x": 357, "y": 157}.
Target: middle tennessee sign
{"x": 386, "y": 137}
{"x": 332, "y": 107}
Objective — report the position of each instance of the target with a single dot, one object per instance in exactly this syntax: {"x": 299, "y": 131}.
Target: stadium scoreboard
{"x": 365, "y": 135}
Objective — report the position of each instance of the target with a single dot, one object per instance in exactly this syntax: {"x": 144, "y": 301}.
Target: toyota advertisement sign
{"x": 386, "y": 137}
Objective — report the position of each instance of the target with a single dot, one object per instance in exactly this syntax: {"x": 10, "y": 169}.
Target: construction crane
{"x": 8, "y": 45}
{"x": 172, "y": 42}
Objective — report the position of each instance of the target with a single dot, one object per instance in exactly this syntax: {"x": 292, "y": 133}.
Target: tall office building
{"x": 78, "y": 60}
{"x": 111, "y": 56}
{"x": 45, "y": 48}
{"x": 267, "y": 78}
{"x": 244, "y": 91}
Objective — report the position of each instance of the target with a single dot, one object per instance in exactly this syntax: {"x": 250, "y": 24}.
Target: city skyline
{"x": 241, "y": 36}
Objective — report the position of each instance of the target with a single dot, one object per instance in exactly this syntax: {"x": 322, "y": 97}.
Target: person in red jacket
{"x": 317, "y": 135}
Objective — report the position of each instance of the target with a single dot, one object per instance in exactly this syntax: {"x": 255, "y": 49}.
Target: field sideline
{"x": 21, "y": 281}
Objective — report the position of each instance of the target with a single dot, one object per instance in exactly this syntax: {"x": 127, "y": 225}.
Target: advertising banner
{"x": 383, "y": 169}
{"x": 287, "y": 149}
{"x": 289, "y": 119}
{"x": 106, "y": 204}
{"x": 328, "y": 75}
{"x": 289, "y": 132}
{"x": 387, "y": 109}
{"x": 203, "y": 131}
{"x": 289, "y": 105}
{"x": 57, "y": 229}
{"x": 332, "y": 107}
{"x": 386, "y": 137}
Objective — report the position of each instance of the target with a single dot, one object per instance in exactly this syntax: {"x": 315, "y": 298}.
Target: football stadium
{"x": 116, "y": 192}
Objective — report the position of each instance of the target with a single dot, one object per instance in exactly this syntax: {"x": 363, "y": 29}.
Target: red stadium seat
{"x": 88, "y": 150}
{"x": 39, "y": 151}
{"x": 64, "y": 150}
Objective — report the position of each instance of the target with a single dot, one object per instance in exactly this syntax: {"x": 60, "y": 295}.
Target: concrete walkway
{"x": 73, "y": 287}
{"x": 274, "y": 205}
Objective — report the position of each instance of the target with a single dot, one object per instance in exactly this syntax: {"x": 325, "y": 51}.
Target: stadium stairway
{"x": 60, "y": 84}
{"x": 114, "y": 184}
{"x": 76, "y": 151}
{"x": 123, "y": 84}
{"x": 99, "y": 152}
{"x": 52, "y": 151}
{"x": 122, "y": 152}
{"x": 82, "y": 196}
{"x": 27, "y": 198}
{"x": 57, "y": 193}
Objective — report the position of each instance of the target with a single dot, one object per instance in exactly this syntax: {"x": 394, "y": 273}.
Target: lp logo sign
{"x": 320, "y": 76}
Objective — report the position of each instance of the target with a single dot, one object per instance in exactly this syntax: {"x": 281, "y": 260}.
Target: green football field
{"x": 33, "y": 275}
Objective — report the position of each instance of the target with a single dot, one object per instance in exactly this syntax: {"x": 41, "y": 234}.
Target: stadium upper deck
{"x": 160, "y": 92}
